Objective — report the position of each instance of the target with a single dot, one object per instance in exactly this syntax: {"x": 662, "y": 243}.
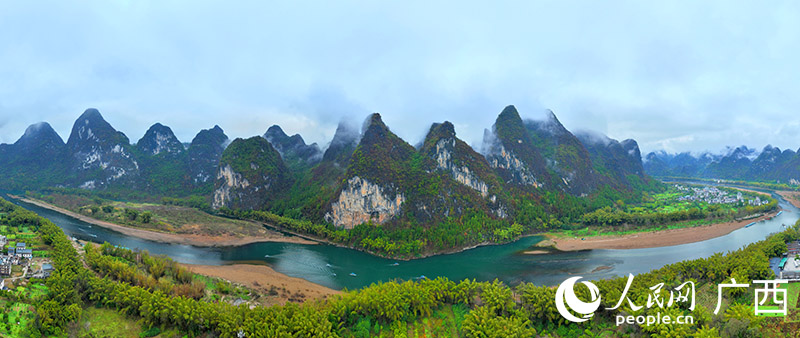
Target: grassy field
{"x": 19, "y": 315}
{"x": 793, "y": 315}
{"x": 669, "y": 201}
{"x": 100, "y": 322}
{"x": 444, "y": 322}
{"x": 24, "y": 234}
{"x": 157, "y": 217}
{"x": 107, "y": 323}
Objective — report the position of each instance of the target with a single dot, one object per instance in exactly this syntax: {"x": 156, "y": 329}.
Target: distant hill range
{"x": 740, "y": 163}
{"x": 366, "y": 174}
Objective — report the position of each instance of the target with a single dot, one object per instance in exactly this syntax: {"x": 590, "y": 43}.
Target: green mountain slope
{"x": 510, "y": 150}
{"x": 250, "y": 175}
{"x": 566, "y": 156}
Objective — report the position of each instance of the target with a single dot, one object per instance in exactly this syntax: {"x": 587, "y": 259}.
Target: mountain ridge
{"x": 738, "y": 163}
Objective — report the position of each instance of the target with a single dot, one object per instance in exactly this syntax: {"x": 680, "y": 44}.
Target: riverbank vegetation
{"x": 171, "y": 216}
{"x": 682, "y": 202}
{"x": 771, "y": 185}
{"x": 609, "y": 211}
{"x": 438, "y": 307}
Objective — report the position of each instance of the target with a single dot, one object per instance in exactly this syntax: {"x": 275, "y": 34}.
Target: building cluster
{"x": 790, "y": 264}
{"x": 16, "y": 256}
{"x": 20, "y": 254}
{"x": 713, "y": 195}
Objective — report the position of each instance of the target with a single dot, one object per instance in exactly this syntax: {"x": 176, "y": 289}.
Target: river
{"x": 331, "y": 266}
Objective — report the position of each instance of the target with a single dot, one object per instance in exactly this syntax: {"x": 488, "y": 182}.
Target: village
{"x": 18, "y": 263}
{"x": 714, "y": 195}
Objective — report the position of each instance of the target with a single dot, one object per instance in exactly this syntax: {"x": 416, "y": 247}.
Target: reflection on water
{"x": 332, "y": 266}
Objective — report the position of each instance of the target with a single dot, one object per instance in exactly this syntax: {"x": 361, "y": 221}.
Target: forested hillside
{"x": 771, "y": 164}
{"x": 369, "y": 189}
{"x": 165, "y": 297}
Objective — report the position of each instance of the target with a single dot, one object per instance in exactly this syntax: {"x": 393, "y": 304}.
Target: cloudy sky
{"x": 675, "y": 75}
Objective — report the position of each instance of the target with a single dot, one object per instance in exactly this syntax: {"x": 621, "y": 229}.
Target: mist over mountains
{"x": 739, "y": 163}
{"x": 362, "y": 175}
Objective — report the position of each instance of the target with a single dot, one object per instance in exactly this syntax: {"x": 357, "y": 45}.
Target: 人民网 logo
{"x": 566, "y": 293}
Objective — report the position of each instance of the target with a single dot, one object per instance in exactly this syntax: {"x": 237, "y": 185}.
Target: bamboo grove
{"x": 488, "y": 308}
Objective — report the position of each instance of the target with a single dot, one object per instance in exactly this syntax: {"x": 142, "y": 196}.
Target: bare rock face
{"x": 505, "y": 159}
{"x": 99, "y": 154}
{"x": 232, "y": 183}
{"x": 461, "y": 174}
{"x": 250, "y": 175}
{"x": 470, "y": 181}
{"x": 205, "y": 152}
{"x": 159, "y": 139}
{"x": 510, "y": 150}
{"x": 361, "y": 201}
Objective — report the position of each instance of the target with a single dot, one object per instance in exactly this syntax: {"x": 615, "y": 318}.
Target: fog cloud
{"x": 676, "y": 75}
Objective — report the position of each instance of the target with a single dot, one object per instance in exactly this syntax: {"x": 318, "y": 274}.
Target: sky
{"x": 673, "y": 75}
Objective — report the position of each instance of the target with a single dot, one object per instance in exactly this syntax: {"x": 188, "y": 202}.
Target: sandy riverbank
{"x": 652, "y": 239}
{"x": 187, "y": 239}
{"x": 792, "y": 197}
{"x": 263, "y": 278}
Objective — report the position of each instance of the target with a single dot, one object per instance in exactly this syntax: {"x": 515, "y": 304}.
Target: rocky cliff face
{"x": 163, "y": 162}
{"x": 565, "y": 155}
{"x": 374, "y": 185}
{"x": 361, "y": 201}
{"x": 462, "y": 174}
{"x": 232, "y": 187}
{"x": 205, "y": 152}
{"x": 505, "y": 160}
{"x": 509, "y": 149}
{"x": 468, "y": 183}
{"x": 452, "y": 155}
{"x": 99, "y": 154}
{"x": 251, "y": 174}
{"x": 159, "y": 139}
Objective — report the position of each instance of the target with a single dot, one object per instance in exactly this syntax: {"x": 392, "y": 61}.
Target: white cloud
{"x": 720, "y": 72}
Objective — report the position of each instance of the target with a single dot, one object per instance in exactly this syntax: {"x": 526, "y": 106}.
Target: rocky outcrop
{"x": 232, "y": 184}
{"x": 205, "y": 152}
{"x": 159, "y": 139}
{"x": 510, "y": 150}
{"x": 461, "y": 174}
{"x": 361, "y": 201}
{"x": 251, "y": 174}
{"x": 99, "y": 154}
{"x": 504, "y": 159}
